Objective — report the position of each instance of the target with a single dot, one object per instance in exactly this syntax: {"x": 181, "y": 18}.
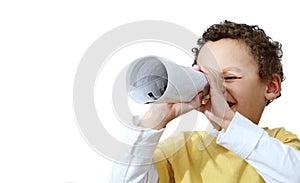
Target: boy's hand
{"x": 161, "y": 114}
{"x": 217, "y": 109}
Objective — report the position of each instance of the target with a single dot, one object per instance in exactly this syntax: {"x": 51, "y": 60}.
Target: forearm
{"x": 275, "y": 161}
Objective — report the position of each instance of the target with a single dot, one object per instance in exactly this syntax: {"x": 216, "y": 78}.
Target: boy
{"x": 244, "y": 71}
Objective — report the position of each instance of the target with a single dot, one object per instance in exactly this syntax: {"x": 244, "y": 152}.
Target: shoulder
{"x": 281, "y": 134}
{"x": 284, "y": 136}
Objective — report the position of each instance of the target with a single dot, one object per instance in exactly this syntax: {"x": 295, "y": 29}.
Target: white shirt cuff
{"x": 143, "y": 141}
{"x": 241, "y": 136}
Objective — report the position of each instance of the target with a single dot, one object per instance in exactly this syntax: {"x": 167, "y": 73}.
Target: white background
{"x": 41, "y": 45}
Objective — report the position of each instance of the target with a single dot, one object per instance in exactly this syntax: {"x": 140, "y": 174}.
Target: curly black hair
{"x": 267, "y": 52}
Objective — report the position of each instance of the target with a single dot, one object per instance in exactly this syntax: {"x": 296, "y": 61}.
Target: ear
{"x": 273, "y": 87}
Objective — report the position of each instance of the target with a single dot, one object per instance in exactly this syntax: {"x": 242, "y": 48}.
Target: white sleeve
{"x": 273, "y": 160}
{"x": 138, "y": 164}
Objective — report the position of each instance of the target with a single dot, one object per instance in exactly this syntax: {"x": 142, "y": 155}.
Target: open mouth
{"x": 230, "y": 103}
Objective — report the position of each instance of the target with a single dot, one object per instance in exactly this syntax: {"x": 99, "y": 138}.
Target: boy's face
{"x": 245, "y": 91}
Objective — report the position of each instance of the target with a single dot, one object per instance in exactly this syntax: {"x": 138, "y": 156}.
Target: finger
{"x": 205, "y": 107}
{"x": 196, "y": 67}
{"x": 184, "y": 107}
{"x": 215, "y": 125}
{"x": 214, "y": 119}
{"x": 196, "y": 102}
{"x": 213, "y": 75}
{"x": 201, "y": 101}
{"x": 205, "y": 99}
{"x": 215, "y": 80}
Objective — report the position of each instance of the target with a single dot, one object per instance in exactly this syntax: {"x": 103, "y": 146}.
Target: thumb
{"x": 215, "y": 121}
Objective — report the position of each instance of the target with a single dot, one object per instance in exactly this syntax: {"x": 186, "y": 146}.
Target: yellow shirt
{"x": 195, "y": 157}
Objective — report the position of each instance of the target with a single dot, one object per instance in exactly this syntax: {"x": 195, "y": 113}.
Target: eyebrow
{"x": 235, "y": 69}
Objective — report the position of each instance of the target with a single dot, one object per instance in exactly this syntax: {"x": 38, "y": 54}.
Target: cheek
{"x": 234, "y": 90}
{"x": 250, "y": 97}
{"x": 245, "y": 93}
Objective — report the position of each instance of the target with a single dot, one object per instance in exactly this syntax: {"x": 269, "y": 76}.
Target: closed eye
{"x": 232, "y": 77}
